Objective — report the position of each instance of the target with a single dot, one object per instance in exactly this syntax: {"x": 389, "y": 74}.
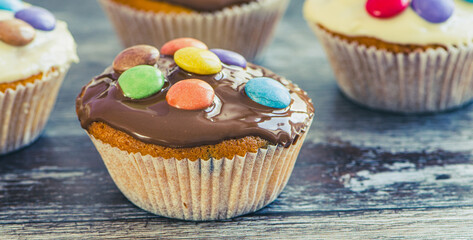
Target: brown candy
{"x": 16, "y": 32}
{"x": 134, "y": 56}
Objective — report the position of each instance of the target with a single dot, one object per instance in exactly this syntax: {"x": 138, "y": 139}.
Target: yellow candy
{"x": 198, "y": 61}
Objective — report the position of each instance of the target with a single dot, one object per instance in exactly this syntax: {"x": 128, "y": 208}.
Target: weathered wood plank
{"x": 62, "y": 179}
{"x": 394, "y": 224}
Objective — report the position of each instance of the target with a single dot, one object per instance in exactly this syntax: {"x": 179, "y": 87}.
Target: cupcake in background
{"x": 192, "y": 133}
{"x": 244, "y": 26}
{"x": 36, "y": 52}
{"x": 401, "y": 56}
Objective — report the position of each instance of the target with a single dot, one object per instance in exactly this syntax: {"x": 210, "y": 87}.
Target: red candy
{"x": 190, "y": 94}
{"x": 172, "y": 46}
{"x": 386, "y": 8}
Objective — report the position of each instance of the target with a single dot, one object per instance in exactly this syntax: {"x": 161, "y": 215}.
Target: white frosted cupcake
{"x": 401, "y": 56}
{"x": 244, "y": 26}
{"x": 36, "y": 52}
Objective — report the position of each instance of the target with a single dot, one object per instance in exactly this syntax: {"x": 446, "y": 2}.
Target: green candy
{"x": 141, "y": 81}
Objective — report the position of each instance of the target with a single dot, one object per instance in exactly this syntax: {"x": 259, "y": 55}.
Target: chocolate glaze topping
{"x": 207, "y": 5}
{"x": 232, "y": 115}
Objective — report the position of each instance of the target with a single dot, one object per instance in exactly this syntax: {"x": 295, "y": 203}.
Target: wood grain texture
{"x": 361, "y": 174}
{"x": 393, "y": 224}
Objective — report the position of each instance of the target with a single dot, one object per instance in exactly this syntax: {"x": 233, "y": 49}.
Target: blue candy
{"x": 37, "y": 17}
{"x": 11, "y": 5}
{"x": 471, "y": 1}
{"x": 229, "y": 57}
{"x": 434, "y": 11}
{"x": 268, "y": 92}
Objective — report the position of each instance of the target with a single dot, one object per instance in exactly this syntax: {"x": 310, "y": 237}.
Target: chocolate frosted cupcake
{"x": 195, "y": 134}
{"x": 36, "y": 52}
{"x": 402, "y": 56}
{"x": 244, "y": 26}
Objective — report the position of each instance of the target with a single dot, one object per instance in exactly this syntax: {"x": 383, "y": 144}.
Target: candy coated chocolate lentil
{"x": 198, "y": 61}
{"x": 141, "y": 81}
{"x": 230, "y": 57}
{"x": 37, "y": 17}
{"x": 386, "y": 8}
{"x": 15, "y": 32}
{"x": 134, "y": 56}
{"x": 171, "y": 47}
{"x": 190, "y": 94}
{"x": 434, "y": 11}
{"x": 11, "y": 5}
{"x": 268, "y": 92}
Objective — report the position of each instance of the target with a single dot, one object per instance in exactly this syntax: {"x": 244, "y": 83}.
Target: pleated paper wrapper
{"x": 419, "y": 82}
{"x": 201, "y": 190}
{"x": 246, "y": 29}
{"x": 25, "y": 110}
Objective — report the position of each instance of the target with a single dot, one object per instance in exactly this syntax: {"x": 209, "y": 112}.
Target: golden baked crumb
{"x": 15, "y": 84}
{"x": 125, "y": 142}
{"x": 380, "y": 44}
{"x": 154, "y": 6}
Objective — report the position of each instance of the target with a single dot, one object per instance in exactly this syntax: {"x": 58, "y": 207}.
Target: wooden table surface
{"x": 361, "y": 174}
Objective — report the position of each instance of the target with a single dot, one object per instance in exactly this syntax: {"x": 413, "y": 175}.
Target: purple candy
{"x": 37, "y": 17}
{"x": 229, "y": 57}
{"x": 434, "y": 11}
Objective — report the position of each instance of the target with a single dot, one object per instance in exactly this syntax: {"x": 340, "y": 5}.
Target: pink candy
{"x": 386, "y": 8}
{"x": 190, "y": 94}
{"x": 172, "y": 46}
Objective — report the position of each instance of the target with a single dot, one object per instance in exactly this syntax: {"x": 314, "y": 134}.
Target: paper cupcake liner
{"x": 246, "y": 29}
{"x": 25, "y": 110}
{"x": 423, "y": 81}
{"x": 201, "y": 190}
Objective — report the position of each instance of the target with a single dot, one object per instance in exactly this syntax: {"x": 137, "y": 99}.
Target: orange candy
{"x": 190, "y": 94}
{"x": 172, "y": 46}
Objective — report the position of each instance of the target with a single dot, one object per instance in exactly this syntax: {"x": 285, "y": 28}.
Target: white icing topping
{"x": 49, "y": 49}
{"x": 349, "y": 17}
